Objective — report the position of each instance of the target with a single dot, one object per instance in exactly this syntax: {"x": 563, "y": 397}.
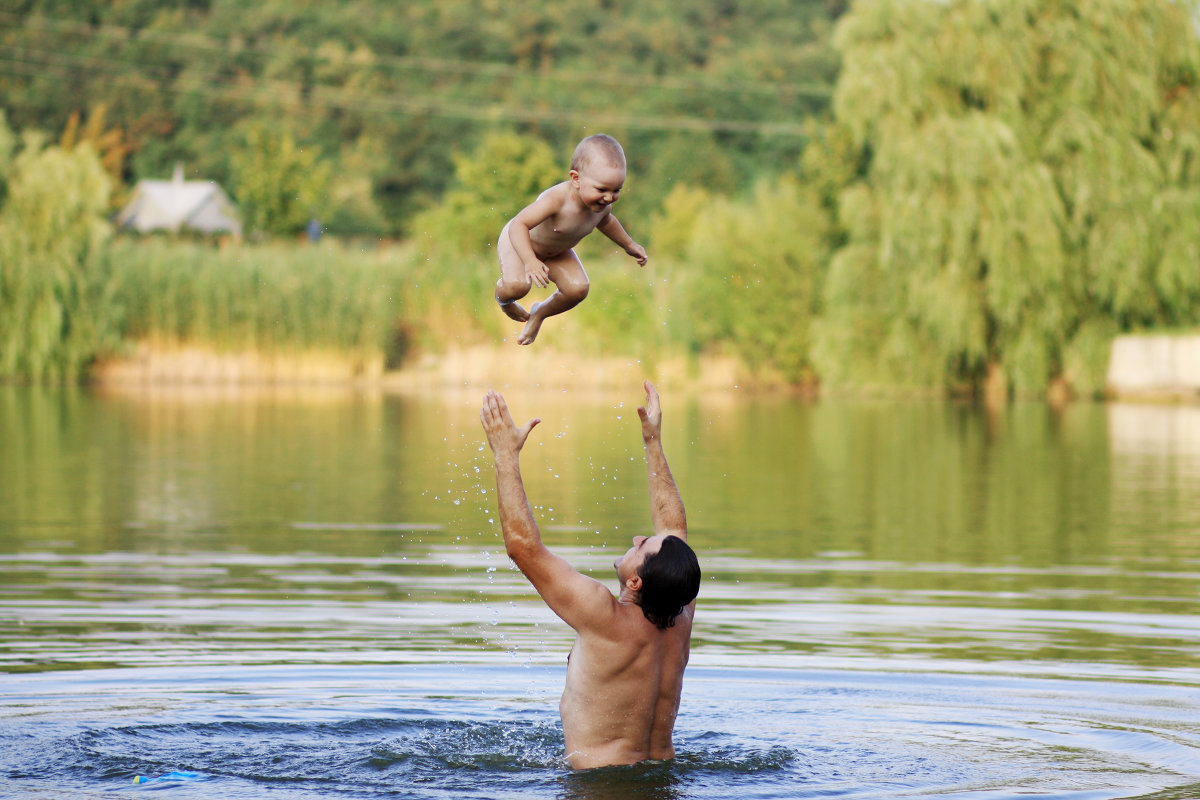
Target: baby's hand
{"x": 638, "y": 252}
{"x": 538, "y": 272}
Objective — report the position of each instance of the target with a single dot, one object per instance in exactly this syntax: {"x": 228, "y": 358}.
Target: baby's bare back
{"x": 622, "y": 692}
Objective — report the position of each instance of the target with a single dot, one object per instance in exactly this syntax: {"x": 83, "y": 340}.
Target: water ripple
{"x": 445, "y": 731}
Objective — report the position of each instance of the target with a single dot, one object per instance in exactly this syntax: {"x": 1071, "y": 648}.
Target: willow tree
{"x": 1027, "y": 185}
{"x": 54, "y": 317}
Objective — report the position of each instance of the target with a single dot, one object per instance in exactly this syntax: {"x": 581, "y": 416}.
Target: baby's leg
{"x": 514, "y": 283}
{"x": 571, "y": 287}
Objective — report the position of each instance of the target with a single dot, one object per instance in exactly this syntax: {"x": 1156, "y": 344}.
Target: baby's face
{"x": 599, "y": 185}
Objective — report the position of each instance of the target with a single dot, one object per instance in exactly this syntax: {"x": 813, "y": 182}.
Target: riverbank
{"x": 1145, "y": 368}
{"x": 471, "y": 367}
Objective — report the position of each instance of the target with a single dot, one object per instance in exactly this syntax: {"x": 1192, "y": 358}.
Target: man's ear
{"x": 634, "y": 582}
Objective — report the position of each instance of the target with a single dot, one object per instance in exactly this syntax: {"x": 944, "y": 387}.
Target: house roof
{"x": 178, "y": 204}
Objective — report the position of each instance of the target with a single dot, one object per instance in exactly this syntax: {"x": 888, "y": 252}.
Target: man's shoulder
{"x": 626, "y": 628}
{"x": 579, "y": 600}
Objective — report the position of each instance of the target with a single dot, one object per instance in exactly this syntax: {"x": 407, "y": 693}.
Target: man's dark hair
{"x": 670, "y": 580}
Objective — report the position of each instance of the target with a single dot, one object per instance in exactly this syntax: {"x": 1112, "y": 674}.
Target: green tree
{"x": 1019, "y": 182}
{"x": 426, "y": 79}
{"x": 505, "y": 173}
{"x": 8, "y": 148}
{"x": 754, "y": 274}
{"x": 53, "y": 316}
{"x": 279, "y": 184}
{"x": 352, "y": 207}
{"x": 110, "y": 145}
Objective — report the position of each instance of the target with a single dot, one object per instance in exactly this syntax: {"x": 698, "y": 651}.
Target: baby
{"x": 536, "y": 246}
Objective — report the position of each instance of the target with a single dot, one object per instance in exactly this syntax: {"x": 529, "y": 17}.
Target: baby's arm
{"x": 549, "y": 203}
{"x": 613, "y": 229}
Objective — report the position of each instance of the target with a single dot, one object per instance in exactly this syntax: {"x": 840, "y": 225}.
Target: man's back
{"x": 622, "y": 690}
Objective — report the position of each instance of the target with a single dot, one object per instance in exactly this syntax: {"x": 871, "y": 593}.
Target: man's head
{"x": 663, "y": 575}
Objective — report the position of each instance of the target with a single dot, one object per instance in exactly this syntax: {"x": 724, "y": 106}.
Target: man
{"x": 625, "y": 671}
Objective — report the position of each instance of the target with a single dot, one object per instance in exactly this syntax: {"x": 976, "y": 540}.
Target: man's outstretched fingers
{"x": 489, "y": 412}
{"x": 651, "y": 412}
{"x": 498, "y": 424}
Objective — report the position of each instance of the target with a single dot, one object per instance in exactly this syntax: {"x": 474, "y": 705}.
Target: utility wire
{"x": 122, "y": 34}
{"x": 290, "y": 94}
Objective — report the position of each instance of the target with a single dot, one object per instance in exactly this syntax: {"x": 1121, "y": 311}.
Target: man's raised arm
{"x": 666, "y": 506}
{"x": 578, "y": 600}
{"x": 521, "y": 534}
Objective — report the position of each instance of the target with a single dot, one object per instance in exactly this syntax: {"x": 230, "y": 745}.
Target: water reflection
{"x": 1156, "y": 469}
{"x": 141, "y": 528}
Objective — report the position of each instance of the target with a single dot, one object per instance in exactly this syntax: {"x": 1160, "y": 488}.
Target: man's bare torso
{"x": 566, "y": 227}
{"x": 622, "y": 691}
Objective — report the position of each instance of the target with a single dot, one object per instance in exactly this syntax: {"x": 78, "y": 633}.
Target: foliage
{"x": 8, "y": 149}
{"x": 672, "y": 227}
{"x": 270, "y": 297}
{"x": 1019, "y": 184}
{"x": 504, "y": 174}
{"x": 754, "y": 276}
{"x": 279, "y": 185}
{"x": 52, "y": 288}
{"x": 110, "y": 144}
{"x": 351, "y": 207}
{"x": 621, "y": 315}
{"x": 694, "y": 160}
{"x": 422, "y": 81}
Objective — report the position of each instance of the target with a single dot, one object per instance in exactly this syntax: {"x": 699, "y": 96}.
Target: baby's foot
{"x": 514, "y": 311}
{"x": 530, "y": 331}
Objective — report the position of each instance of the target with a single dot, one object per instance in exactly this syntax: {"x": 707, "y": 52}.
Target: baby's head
{"x": 596, "y": 150}
{"x": 598, "y": 171}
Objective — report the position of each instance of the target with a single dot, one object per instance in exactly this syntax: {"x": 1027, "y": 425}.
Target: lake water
{"x": 303, "y": 593}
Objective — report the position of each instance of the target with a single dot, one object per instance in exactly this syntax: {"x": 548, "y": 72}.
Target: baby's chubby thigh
{"x": 568, "y": 275}
{"x": 513, "y": 283}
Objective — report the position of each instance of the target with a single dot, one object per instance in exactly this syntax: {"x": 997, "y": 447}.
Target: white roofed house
{"x": 179, "y": 205}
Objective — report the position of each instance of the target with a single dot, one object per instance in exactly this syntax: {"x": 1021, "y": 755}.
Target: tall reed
{"x": 266, "y": 297}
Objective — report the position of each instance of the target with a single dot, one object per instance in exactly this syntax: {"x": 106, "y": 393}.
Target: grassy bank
{"x": 266, "y": 298}
{"x": 190, "y": 311}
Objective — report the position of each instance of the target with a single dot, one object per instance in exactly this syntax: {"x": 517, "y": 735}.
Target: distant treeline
{"x": 996, "y": 190}
{"x": 384, "y": 95}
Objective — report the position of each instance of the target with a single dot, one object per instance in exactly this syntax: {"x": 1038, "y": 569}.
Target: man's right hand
{"x": 651, "y": 414}
{"x": 504, "y": 437}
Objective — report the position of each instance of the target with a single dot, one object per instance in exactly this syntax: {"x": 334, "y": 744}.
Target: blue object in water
{"x": 178, "y": 775}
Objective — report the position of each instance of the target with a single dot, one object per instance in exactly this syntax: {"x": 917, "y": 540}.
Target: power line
{"x": 281, "y": 93}
{"x": 462, "y": 67}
